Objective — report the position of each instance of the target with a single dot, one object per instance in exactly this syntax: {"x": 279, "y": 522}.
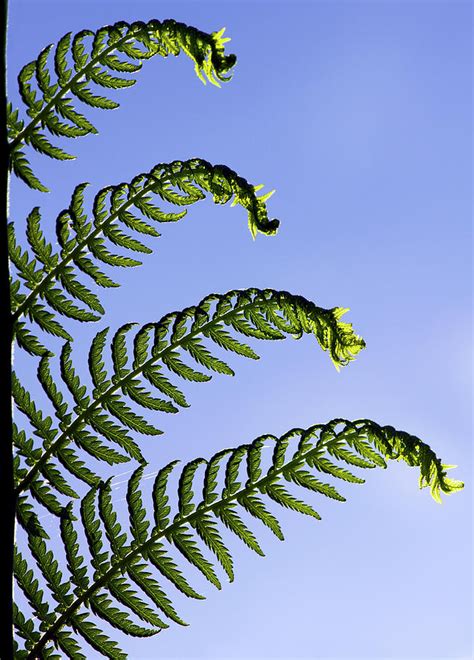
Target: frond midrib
{"x": 63, "y": 438}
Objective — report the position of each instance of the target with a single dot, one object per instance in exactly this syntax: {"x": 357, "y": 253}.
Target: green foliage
{"x": 161, "y": 353}
{"x": 80, "y": 64}
{"x": 126, "y": 576}
{"x": 310, "y": 458}
{"x": 49, "y": 275}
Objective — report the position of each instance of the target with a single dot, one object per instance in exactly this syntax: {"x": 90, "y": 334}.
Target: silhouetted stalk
{"x": 6, "y": 443}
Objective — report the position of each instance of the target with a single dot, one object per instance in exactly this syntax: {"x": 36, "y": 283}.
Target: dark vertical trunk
{"x": 6, "y": 450}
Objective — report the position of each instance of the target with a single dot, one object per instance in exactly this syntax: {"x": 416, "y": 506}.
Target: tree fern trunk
{"x": 6, "y": 453}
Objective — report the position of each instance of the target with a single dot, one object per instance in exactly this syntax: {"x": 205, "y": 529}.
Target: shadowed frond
{"x": 78, "y": 66}
{"x": 124, "y": 562}
{"x": 50, "y": 282}
{"x": 161, "y": 354}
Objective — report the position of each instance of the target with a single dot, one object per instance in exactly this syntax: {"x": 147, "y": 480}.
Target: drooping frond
{"x": 162, "y": 352}
{"x": 125, "y": 562}
{"x": 78, "y": 66}
{"x": 119, "y": 212}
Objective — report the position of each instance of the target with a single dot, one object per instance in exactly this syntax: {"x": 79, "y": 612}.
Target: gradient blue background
{"x": 359, "y": 114}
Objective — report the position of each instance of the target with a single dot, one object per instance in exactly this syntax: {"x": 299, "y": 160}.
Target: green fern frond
{"x": 298, "y": 457}
{"x": 79, "y": 65}
{"x": 49, "y": 275}
{"x": 177, "y": 337}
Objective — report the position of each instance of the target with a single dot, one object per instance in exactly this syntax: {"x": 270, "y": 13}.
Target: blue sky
{"x": 359, "y": 114}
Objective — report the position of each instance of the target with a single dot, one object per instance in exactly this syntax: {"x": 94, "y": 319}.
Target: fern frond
{"x": 177, "y": 337}
{"x": 297, "y": 457}
{"x": 78, "y": 65}
{"x": 49, "y": 274}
